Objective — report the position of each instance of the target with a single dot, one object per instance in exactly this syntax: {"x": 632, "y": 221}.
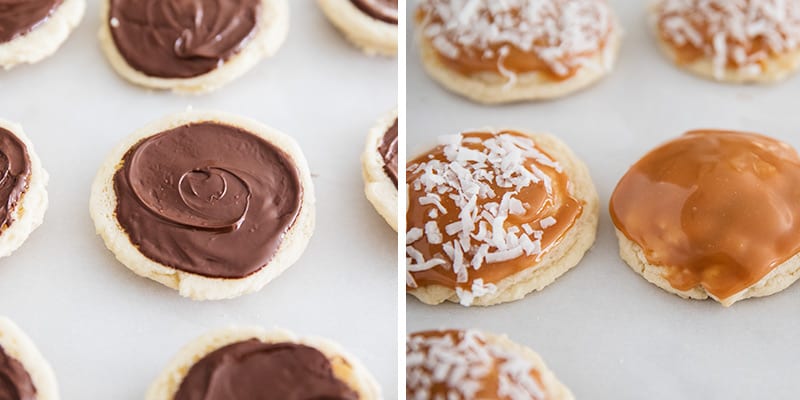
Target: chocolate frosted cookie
{"x": 24, "y": 373}
{"x": 379, "y": 167}
{"x": 23, "y": 193}
{"x": 31, "y": 30}
{"x": 369, "y": 24}
{"x": 190, "y": 46}
{"x": 250, "y": 363}
{"x": 209, "y": 204}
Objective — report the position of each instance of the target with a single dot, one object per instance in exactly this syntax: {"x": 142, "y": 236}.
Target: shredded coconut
{"x": 482, "y": 180}
{"x": 738, "y": 33}
{"x": 564, "y": 34}
{"x": 461, "y": 362}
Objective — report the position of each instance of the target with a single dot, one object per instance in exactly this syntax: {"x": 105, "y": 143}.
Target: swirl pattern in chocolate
{"x": 15, "y": 382}
{"x": 207, "y": 198}
{"x": 263, "y": 371}
{"x": 482, "y": 207}
{"x": 714, "y": 209}
{"x": 384, "y": 10}
{"x": 181, "y": 38}
{"x": 388, "y": 152}
{"x": 18, "y": 17}
{"x": 15, "y": 175}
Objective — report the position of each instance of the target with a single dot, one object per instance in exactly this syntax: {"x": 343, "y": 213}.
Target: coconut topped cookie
{"x": 469, "y": 364}
{"x": 207, "y": 203}
{"x": 740, "y": 41}
{"x": 491, "y": 216}
{"x": 712, "y": 213}
{"x": 517, "y": 49}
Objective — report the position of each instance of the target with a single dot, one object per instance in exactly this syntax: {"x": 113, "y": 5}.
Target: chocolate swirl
{"x": 388, "y": 152}
{"x": 181, "y": 38}
{"x": 384, "y": 10}
{"x": 207, "y": 198}
{"x": 15, "y": 382}
{"x": 15, "y": 171}
{"x": 18, "y": 17}
{"x": 263, "y": 371}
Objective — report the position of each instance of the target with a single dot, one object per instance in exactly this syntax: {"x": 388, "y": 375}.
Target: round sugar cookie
{"x": 749, "y": 41}
{"x": 32, "y": 30}
{"x": 712, "y": 214}
{"x": 369, "y": 24}
{"x": 500, "y": 52}
{"x": 23, "y": 192}
{"x": 24, "y": 373}
{"x": 190, "y": 46}
{"x": 249, "y": 362}
{"x": 494, "y": 215}
{"x": 379, "y": 167}
{"x": 207, "y": 203}
{"x": 468, "y": 364}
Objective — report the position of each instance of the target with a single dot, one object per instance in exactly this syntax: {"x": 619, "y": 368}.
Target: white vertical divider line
{"x": 402, "y": 46}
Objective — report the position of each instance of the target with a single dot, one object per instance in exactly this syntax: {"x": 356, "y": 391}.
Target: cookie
{"x": 516, "y": 50}
{"x": 748, "y": 41}
{"x": 32, "y": 30}
{"x": 210, "y": 204}
{"x": 455, "y": 364}
{"x": 248, "y": 363}
{"x": 379, "y": 167}
{"x": 369, "y": 24}
{"x": 712, "y": 214}
{"x": 23, "y": 192}
{"x": 190, "y": 46}
{"x": 495, "y": 215}
{"x": 24, "y": 373}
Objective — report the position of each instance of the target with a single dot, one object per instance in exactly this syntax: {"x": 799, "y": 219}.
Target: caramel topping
{"x": 462, "y": 365}
{"x": 556, "y": 37}
{"x": 734, "y": 34}
{"x": 482, "y": 207}
{"x": 716, "y": 209}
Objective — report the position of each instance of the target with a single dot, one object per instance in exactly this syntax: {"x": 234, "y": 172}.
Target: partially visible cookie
{"x": 190, "y": 46}
{"x": 455, "y": 364}
{"x": 379, "y": 167}
{"x": 24, "y": 373}
{"x": 207, "y": 203}
{"x": 369, "y": 24}
{"x": 712, "y": 214}
{"x": 23, "y": 193}
{"x": 31, "y": 30}
{"x": 748, "y": 41}
{"x": 249, "y": 363}
{"x": 517, "y": 50}
{"x": 495, "y": 215}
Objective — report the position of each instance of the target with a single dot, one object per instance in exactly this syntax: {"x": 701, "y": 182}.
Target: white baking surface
{"x": 107, "y": 332}
{"x": 605, "y": 331}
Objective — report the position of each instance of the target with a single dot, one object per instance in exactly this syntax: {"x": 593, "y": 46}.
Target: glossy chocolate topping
{"x": 18, "y": 17}
{"x": 207, "y": 198}
{"x": 716, "y": 209}
{"x": 254, "y": 370}
{"x": 388, "y": 151}
{"x": 15, "y": 382}
{"x": 384, "y": 10}
{"x": 481, "y": 208}
{"x": 181, "y": 38}
{"x": 456, "y": 364}
{"x": 15, "y": 174}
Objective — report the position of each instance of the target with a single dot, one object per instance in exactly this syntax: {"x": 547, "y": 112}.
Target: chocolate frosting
{"x": 207, "y": 198}
{"x": 181, "y": 38}
{"x": 254, "y": 370}
{"x": 18, "y": 17}
{"x": 388, "y": 151}
{"x": 15, "y": 172}
{"x": 384, "y": 10}
{"x": 15, "y": 382}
